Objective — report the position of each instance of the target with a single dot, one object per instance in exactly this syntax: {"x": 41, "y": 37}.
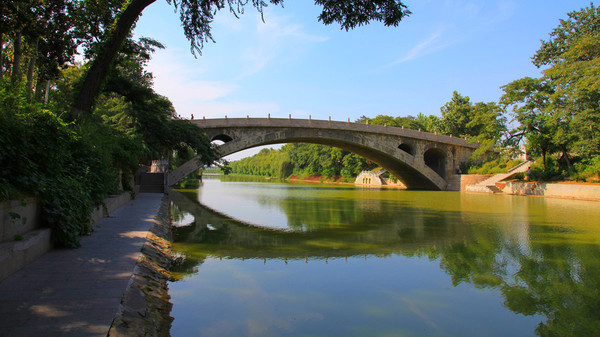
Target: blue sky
{"x": 293, "y": 64}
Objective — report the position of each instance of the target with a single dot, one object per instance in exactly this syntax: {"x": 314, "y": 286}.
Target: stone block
{"x": 28, "y": 211}
{"x": 14, "y": 255}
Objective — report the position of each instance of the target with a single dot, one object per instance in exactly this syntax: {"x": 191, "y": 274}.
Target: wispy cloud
{"x": 435, "y": 42}
{"x": 182, "y": 83}
{"x": 430, "y": 44}
{"x": 459, "y": 20}
{"x": 276, "y": 37}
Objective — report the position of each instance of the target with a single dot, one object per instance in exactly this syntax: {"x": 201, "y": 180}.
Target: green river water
{"x": 279, "y": 259}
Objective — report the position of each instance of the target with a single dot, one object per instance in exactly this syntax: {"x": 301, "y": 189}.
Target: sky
{"x": 293, "y": 64}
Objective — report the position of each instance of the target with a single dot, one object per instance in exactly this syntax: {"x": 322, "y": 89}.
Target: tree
{"x": 530, "y": 100}
{"x": 560, "y": 112}
{"x": 487, "y": 124}
{"x": 456, "y": 115}
{"x": 481, "y": 122}
{"x": 572, "y": 54}
{"x": 197, "y": 17}
{"x": 421, "y": 122}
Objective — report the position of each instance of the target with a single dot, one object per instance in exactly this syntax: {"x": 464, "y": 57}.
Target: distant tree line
{"x": 298, "y": 159}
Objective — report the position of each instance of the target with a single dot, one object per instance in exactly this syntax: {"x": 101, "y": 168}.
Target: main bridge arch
{"x": 420, "y": 160}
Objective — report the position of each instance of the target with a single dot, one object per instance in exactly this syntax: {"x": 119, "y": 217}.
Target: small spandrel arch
{"x": 436, "y": 160}
{"x": 222, "y": 138}
{"x": 407, "y": 148}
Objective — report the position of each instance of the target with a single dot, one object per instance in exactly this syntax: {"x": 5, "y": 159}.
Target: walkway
{"x": 77, "y": 292}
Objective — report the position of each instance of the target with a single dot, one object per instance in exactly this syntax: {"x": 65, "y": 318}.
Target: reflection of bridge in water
{"x": 225, "y": 237}
{"x": 421, "y": 160}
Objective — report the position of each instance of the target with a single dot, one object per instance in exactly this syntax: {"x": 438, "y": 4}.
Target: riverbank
{"x": 317, "y": 179}
{"x": 562, "y": 190}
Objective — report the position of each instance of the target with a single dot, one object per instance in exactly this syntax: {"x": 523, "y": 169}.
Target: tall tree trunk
{"x": 97, "y": 72}
{"x": 565, "y": 155}
{"x": 544, "y": 159}
{"x": 31, "y": 68}
{"x": 1, "y": 53}
{"x": 17, "y": 53}
{"x": 47, "y": 93}
{"x": 39, "y": 88}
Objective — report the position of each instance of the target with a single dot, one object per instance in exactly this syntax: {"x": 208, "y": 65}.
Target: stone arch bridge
{"x": 421, "y": 160}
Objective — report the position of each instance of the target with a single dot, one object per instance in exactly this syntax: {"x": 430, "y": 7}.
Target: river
{"x": 278, "y": 259}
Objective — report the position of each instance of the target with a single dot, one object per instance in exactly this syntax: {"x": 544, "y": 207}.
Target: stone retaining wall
{"x": 571, "y": 191}
{"x": 471, "y": 179}
{"x": 112, "y": 203}
{"x": 28, "y": 211}
{"x": 23, "y": 240}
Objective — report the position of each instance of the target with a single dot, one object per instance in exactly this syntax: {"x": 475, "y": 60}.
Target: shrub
{"x": 587, "y": 169}
{"x": 70, "y": 169}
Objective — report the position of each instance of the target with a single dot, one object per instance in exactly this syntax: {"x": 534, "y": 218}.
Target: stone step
{"x": 495, "y": 189}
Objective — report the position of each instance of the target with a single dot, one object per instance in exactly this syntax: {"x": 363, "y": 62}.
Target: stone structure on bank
{"x": 375, "y": 179}
{"x": 369, "y": 178}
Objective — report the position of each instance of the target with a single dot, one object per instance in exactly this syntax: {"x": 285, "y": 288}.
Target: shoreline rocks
{"x": 145, "y": 308}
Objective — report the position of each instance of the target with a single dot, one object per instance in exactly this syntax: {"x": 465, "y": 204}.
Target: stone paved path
{"x": 76, "y": 292}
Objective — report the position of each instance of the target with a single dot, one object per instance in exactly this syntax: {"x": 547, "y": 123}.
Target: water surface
{"x": 271, "y": 259}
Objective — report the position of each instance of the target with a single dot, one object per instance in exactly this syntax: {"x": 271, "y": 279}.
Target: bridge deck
{"x": 330, "y": 125}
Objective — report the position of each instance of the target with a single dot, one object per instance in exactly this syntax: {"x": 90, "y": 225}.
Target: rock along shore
{"x": 145, "y": 307}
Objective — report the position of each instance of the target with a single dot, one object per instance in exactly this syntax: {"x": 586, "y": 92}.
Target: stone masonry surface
{"x": 77, "y": 292}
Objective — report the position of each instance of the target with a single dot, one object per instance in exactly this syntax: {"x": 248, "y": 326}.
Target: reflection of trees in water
{"x": 543, "y": 272}
{"x": 559, "y": 280}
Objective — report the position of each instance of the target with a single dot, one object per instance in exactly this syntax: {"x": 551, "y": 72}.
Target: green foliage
{"x": 456, "y": 114}
{"x": 560, "y": 112}
{"x": 197, "y": 16}
{"x": 74, "y": 166}
{"x": 551, "y": 170}
{"x": 530, "y": 100}
{"x": 587, "y": 170}
{"x": 302, "y": 160}
{"x": 268, "y": 163}
{"x": 497, "y": 165}
{"x": 480, "y": 122}
{"x": 130, "y": 104}
{"x": 421, "y": 122}
{"x": 44, "y": 156}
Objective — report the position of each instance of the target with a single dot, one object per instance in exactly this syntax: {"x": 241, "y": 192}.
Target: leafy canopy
{"x": 197, "y": 15}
